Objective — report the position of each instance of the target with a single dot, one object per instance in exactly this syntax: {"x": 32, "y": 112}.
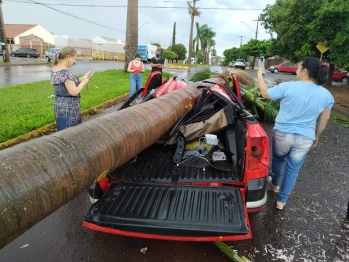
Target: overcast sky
{"x": 156, "y": 18}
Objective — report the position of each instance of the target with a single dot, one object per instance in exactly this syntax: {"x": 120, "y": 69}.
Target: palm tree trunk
{"x": 131, "y": 45}
{"x": 39, "y": 176}
{"x": 197, "y": 52}
{"x": 191, "y": 37}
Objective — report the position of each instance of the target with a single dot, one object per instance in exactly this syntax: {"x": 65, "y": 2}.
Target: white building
{"x": 106, "y": 40}
{"x": 61, "y": 40}
{"x": 14, "y": 33}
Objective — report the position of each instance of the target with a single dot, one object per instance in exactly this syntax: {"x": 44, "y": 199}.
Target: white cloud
{"x": 156, "y": 23}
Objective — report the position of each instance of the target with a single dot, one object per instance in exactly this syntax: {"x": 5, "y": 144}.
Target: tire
{"x": 48, "y": 59}
{"x": 243, "y": 68}
{"x": 28, "y": 55}
{"x": 344, "y": 80}
{"x": 276, "y": 71}
{"x": 13, "y": 55}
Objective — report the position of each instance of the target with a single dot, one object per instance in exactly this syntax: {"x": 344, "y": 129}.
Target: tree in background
{"x": 214, "y": 55}
{"x": 180, "y": 50}
{"x": 174, "y": 34}
{"x": 198, "y": 40}
{"x": 208, "y": 43}
{"x": 214, "y": 52}
{"x": 131, "y": 45}
{"x": 230, "y": 55}
{"x": 193, "y": 11}
{"x": 256, "y": 47}
{"x": 157, "y": 44}
{"x": 301, "y": 25}
{"x": 169, "y": 55}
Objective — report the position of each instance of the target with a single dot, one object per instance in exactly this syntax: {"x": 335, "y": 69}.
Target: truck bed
{"x": 155, "y": 165}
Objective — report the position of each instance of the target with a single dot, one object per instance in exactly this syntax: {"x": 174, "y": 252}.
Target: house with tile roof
{"x": 14, "y": 32}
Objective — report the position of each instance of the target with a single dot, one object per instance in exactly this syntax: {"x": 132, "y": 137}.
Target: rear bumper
{"x": 256, "y": 193}
{"x": 163, "y": 237}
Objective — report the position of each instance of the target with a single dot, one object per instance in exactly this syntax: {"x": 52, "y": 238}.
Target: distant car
{"x": 339, "y": 75}
{"x": 284, "y": 67}
{"x": 26, "y": 52}
{"x": 49, "y": 53}
{"x": 240, "y": 63}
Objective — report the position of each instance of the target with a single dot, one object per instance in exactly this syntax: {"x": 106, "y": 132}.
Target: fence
{"x": 106, "y": 55}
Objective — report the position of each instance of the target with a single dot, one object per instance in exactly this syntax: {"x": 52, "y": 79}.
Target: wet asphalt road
{"x": 20, "y": 74}
{"x": 310, "y": 228}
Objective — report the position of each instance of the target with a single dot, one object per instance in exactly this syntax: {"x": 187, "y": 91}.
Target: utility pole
{"x": 257, "y": 25}
{"x": 240, "y": 44}
{"x": 254, "y": 58}
{"x": 6, "y": 56}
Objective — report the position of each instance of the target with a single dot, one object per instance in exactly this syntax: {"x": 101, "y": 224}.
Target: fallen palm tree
{"x": 267, "y": 110}
{"x": 39, "y": 176}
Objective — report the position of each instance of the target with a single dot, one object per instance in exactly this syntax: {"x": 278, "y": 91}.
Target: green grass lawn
{"x": 26, "y": 107}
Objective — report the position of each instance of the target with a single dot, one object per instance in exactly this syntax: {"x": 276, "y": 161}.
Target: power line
{"x": 57, "y": 10}
{"x": 153, "y": 7}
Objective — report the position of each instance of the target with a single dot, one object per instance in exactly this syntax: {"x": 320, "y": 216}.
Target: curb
{"x": 24, "y": 64}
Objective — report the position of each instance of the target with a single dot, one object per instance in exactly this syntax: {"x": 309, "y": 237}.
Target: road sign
{"x": 322, "y": 48}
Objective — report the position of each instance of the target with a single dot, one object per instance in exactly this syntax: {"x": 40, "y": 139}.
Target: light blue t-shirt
{"x": 301, "y": 104}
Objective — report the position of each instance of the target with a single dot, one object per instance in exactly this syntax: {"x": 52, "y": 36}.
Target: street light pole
{"x": 6, "y": 55}
{"x": 250, "y": 28}
{"x": 240, "y": 44}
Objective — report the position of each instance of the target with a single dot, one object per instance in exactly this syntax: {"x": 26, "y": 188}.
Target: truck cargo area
{"x": 156, "y": 164}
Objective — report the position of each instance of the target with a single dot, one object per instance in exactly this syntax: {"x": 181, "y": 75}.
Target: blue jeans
{"x": 135, "y": 84}
{"x": 293, "y": 148}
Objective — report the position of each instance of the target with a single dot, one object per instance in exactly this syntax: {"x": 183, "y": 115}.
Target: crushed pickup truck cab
{"x": 198, "y": 183}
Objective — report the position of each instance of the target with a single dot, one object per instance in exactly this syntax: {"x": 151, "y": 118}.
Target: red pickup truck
{"x": 198, "y": 183}
{"x": 338, "y": 75}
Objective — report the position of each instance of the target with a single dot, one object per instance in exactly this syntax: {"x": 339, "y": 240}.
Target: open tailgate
{"x": 171, "y": 212}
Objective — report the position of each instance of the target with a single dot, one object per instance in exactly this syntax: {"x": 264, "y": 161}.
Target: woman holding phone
{"x": 136, "y": 68}
{"x": 67, "y": 88}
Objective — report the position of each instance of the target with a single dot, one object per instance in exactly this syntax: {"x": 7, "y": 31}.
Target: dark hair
{"x": 137, "y": 55}
{"x": 316, "y": 70}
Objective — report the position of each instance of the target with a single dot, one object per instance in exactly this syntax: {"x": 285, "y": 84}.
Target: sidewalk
{"x": 19, "y": 61}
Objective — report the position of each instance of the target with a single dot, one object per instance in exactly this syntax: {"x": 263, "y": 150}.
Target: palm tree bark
{"x": 193, "y": 14}
{"x": 39, "y": 176}
{"x": 131, "y": 45}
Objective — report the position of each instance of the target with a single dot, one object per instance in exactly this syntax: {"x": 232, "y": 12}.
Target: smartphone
{"x": 90, "y": 73}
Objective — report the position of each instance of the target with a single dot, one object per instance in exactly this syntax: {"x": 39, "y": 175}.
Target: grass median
{"x": 28, "y": 107}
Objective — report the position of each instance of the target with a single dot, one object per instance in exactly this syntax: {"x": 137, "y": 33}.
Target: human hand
{"x": 85, "y": 78}
{"x": 315, "y": 142}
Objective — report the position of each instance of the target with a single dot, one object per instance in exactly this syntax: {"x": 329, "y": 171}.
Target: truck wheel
{"x": 48, "y": 59}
